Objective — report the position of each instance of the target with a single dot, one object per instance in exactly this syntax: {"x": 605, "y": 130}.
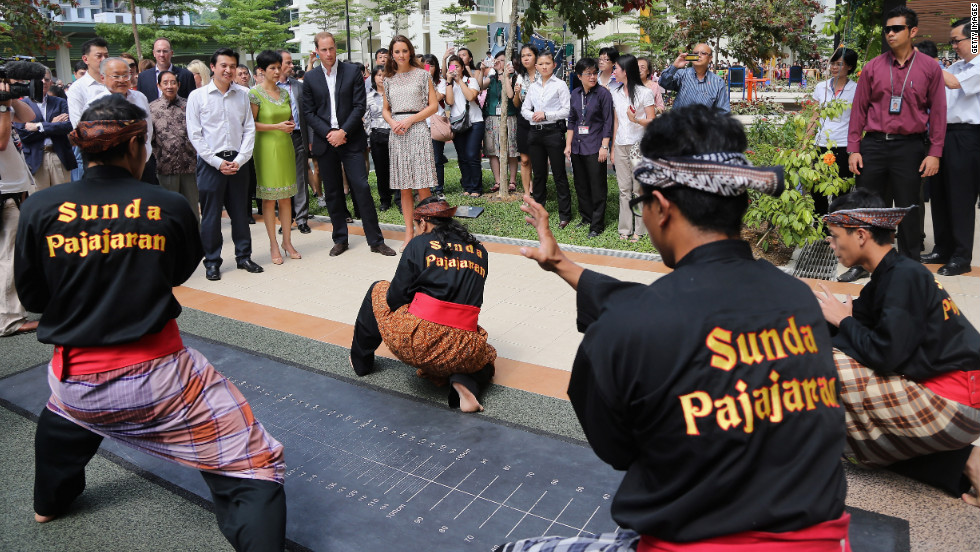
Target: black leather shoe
{"x": 563, "y": 224}
{"x": 338, "y": 248}
{"x": 249, "y": 265}
{"x": 852, "y": 274}
{"x": 304, "y": 228}
{"x": 213, "y": 272}
{"x": 384, "y": 207}
{"x": 582, "y": 224}
{"x": 954, "y": 267}
{"x": 383, "y": 249}
{"x": 935, "y": 257}
{"x": 593, "y": 234}
{"x": 251, "y": 219}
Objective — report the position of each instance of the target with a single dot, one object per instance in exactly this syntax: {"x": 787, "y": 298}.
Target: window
{"x": 485, "y": 6}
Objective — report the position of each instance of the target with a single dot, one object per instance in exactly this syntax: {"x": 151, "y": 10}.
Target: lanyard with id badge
{"x": 895, "y": 105}
{"x": 583, "y": 128}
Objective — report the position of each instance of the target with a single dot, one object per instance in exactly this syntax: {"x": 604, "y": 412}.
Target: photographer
{"x": 15, "y": 182}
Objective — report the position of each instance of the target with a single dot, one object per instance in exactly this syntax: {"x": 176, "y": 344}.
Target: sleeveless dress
{"x": 413, "y": 164}
{"x": 275, "y": 159}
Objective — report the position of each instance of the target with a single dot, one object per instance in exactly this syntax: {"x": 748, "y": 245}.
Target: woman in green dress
{"x": 275, "y": 162}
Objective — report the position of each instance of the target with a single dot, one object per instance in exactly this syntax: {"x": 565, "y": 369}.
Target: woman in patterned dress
{"x": 409, "y": 99}
{"x": 275, "y": 162}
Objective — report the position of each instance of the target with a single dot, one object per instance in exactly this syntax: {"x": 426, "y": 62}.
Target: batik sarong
{"x": 177, "y": 407}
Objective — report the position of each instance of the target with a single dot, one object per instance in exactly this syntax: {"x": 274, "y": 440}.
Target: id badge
{"x": 895, "y": 106}
{"x": 582, "y": 129}
{"x": 497, "y": 111}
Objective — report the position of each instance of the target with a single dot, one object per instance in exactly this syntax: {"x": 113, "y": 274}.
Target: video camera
{"x": 22, "y": 68}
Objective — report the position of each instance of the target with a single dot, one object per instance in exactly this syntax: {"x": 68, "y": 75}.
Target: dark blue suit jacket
{"x": 351, "y": 102}
{"x": 57, "y": 132}
{"x": 146, "y": 83}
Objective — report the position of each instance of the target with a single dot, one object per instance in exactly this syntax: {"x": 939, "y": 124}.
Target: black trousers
{"x": 955, "y": 190}
{"x": 251, "y": 513}
{"x": 821, "y": 202}
{"x": 333, "y": 190}
{"x": 301, "y": 201}
{"x": 219, "y": 191}
{"x": 544, "y": 146}
{"x": 367, "y": 339}
{"x": 590, "y": 187}
{"x": 891, "y": 169}
{"x": 382, "y": 169}
{"x": 943, "y": 470}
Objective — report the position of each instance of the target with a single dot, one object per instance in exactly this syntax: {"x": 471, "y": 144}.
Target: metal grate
{"x": 817, "y": 260}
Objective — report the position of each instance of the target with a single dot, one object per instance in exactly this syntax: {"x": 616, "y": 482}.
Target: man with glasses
{"x": 695, "y": 84}
{"x": 46, "y": 147}
{"x": 954, "y": 193}
{"x": 163, "y": 53}
{"x": 115, "y": 75}
{"x": 899, "y": 99}
{"x": 687, "y": 384}
{"x": 590, "y": 128}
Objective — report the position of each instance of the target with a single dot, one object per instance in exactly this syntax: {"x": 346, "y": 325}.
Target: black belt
{"x": 405, "y": 113}
{"x": 962, "y": 126}
{"x": 298, "y": 131}
{"x": 227, "y": 155}
{"x": 550, "y": 126}
{"x": 882, "y": 136}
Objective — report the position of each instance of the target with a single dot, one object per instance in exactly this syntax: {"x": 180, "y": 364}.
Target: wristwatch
{"x": 4, "y": 108}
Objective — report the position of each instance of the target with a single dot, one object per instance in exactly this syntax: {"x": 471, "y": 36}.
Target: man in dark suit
{"x": 46, "y": 148}
{"x": 301, "y": 141}
{"x": 147, "y": 80}
{"x": 334, "y": 103}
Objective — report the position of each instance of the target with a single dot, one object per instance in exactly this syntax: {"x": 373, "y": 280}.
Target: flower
{"x": 829, "y": 158}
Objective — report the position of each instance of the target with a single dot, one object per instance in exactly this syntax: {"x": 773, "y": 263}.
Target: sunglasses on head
{"x": 895, "y": 28}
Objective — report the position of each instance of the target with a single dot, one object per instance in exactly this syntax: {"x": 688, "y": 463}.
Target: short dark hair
{"x": 611, "y": 53}
{"x": 928, "y": 48}
{"x": 80, "y": 66}
{"x": 266, "y": 58}
{"x": 585, "y": 64}
{"x": 850, "y": 58}
{"x": 113, "y": 107}
{"x": 911, "y": 18}
{"x": 548, "y": 53}
{"x": 863, "y": 198}
{"x": 695, "y": 130}
{"x": 97, "y": 41}
{"x": 223, "y": 52}
{"x": 968, "y": 30}
{"x": 380, "y": 51}
{"x": 164, "y": 72}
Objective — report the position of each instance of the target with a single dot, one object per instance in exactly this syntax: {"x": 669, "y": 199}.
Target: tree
{"x": 121, "y": 35}
{"x": 26, "y": 28}
{"x": 397, "y": 11}
{"x": 578, "y": 15}
{"x": 857, "y": 25}
{"x": 332, "y": 14}
{"x": 458, "y": 31}
{"x": 658, "y": 39}
{"x": 251, "y": 25}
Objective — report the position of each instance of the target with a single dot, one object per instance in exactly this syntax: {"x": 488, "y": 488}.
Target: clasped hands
{"x": 337, "y": 137}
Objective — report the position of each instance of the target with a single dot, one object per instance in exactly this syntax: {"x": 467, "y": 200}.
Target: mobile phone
{"x": 632, "y": 110}
{"x": 452, "y": 68}
{"x": 428, "y": 67}
{"x": 691, "y": 57}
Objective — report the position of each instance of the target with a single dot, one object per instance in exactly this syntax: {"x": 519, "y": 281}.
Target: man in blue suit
{"x": 163, "y": 53}
{"x": 334, "y": 102}
{"x": 46, "y": 148}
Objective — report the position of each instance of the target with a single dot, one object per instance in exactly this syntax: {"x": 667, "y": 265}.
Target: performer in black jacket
{"x": 99, "y": 259}
{"x": 713, "y": 387}
{"x": 909, "y": 360}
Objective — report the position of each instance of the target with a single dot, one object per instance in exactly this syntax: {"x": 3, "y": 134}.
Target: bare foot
{"x": 27, "y": 327}
{"x": 42, "y": 519}
{"x": 972, "y": 472}
{"x": 467, "y": 401}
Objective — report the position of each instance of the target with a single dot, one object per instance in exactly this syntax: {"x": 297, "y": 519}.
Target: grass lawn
{"x": 507, "y": 220}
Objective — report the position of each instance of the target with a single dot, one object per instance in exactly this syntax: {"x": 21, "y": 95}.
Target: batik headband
{"x": 724, "y": 173}
{"x": 98, "y": 136}
{"x": 879, "y": 217}
{"x": 438, "y": 209}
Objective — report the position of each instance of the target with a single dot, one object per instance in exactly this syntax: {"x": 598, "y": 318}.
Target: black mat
{"x": 369, "y": 468}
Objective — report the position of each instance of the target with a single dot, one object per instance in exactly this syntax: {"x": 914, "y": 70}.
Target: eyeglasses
{"x": 636, "y": 204}
{"x": 125, "y": 77}
{"x": 702, "y": 54}
{"x": 589, "y": 74}
{"x": 954, "y": 41}
{"x": 894, "y": 28}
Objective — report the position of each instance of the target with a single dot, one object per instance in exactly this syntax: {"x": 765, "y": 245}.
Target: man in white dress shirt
{"x": 221, "y": 128}
{"x": 115, "y": 77}
{"x": 81, "y": 92}
{"x": 954, "y": 193}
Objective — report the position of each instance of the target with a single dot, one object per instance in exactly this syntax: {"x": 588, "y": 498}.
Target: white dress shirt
{"x": 331, "y": 85}
{"x": 138, "y": 99}
{"x": 834, "y": 129}
{"x": 43, "y": 107}
{"x": 628, "y": 132}
{"x": 963, "y": 104}
{"x": 459, "y": 100}
{"x": 80, "y": 94}
{"x": 219, "y": 122}
{"x": 552, "y": 97}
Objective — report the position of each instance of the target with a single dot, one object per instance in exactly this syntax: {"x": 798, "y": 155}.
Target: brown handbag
{"x": 440, "y": 127}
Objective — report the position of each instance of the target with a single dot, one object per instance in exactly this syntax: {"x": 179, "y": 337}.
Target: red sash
{"x": 829, "y": 536}
{"x": 962, "y": 387}
{"x": 444, "y": 313}
{"x": 94, "y": 360}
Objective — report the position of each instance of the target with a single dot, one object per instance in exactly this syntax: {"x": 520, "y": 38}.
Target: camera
{"x": 22, "y": 68}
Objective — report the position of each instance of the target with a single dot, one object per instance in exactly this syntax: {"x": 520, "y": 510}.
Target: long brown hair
{"x": 391, "y": 66}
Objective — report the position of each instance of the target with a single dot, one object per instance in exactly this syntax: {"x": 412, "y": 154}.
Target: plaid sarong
{"x": 890, "y": 419}
{"x": 177, "y": 407}
{"x": 624, "y": 540}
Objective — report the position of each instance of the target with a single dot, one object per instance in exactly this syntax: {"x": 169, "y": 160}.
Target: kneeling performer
{"x": 908, "y": 359}
{"x": 99, "y": 258}
{"x": 427, "y": 315}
